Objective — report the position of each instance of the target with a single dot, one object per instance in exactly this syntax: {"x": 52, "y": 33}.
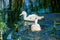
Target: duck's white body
{"x": 31, "y": 17}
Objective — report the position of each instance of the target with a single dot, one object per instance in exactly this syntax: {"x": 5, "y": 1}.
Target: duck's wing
{"x": 32, "y": 16}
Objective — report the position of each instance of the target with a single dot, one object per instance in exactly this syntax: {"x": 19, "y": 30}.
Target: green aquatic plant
{"x": 54, "y": 29}
{"x": 3, "y": 27}
{"x": 19, "y": 38}
{"x": 16, "y": 27}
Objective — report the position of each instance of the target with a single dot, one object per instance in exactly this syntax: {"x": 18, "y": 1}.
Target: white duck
{"x": 31, "y": 17}
{"x": 36, "y": 26}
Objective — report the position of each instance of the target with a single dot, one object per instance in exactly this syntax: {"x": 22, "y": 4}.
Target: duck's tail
{"x": 41, "y": 17}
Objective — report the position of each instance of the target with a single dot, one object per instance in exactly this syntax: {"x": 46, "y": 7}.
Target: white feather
{"x": 31, "y": 17}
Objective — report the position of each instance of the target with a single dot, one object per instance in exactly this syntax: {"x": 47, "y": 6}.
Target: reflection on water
{"x": 24, "y": 33}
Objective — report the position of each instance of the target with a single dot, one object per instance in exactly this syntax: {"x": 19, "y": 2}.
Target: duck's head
{"x": 23, "y": 13}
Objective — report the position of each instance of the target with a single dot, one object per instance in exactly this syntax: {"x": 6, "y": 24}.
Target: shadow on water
{"x": 24, "y": 33}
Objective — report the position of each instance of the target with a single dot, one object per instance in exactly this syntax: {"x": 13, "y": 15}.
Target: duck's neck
{"x": 36, "y": 21}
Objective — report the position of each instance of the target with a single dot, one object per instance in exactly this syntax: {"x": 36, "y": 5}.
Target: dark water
{"x": 47, "y": 32}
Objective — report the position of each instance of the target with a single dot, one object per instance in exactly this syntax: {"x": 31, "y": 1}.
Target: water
{"x": 24, "y": 33}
